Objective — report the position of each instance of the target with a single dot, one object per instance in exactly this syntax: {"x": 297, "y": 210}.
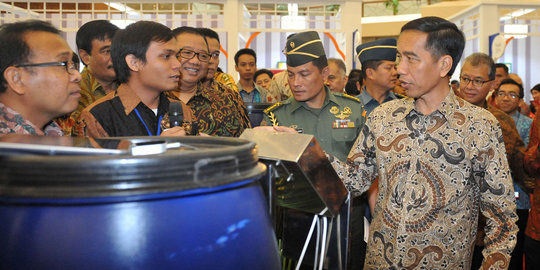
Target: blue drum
{"x": 197, "y": 206}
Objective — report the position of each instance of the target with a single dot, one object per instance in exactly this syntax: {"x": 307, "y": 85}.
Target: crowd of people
{"x": 448, "y": 172}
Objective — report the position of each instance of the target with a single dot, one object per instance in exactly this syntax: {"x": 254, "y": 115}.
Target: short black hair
{"x": 355, "y": 74}
{"x": 536, "y": 87}
{"x": 510, "y": 81}
{"x": 263, "y": 71}
{"x": 320, "y": 62}
{"x": 350, "y": 87}
{"x": 14, "y": 49}
{"x": 135, "y": 40}
{"x": 98, "y": 29}
{"x": 190, "y": 30}
{"x": 503, "y": 66}
{"x": 209, "y": 33}
{"x": 454, "y": 82}
{"x": 444, "y": 38}
{"x": 242, "y": 52}
{"x": 374, "y": 64}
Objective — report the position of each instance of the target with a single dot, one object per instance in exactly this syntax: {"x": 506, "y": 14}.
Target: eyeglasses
{"x": 475, "y": 82}
{"x": 68, "y": 65}
{"x": 511, "y": 95}
{"x": 189, "y": 54}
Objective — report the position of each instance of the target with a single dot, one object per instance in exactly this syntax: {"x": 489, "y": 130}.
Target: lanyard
{"x": 147, "y": 129}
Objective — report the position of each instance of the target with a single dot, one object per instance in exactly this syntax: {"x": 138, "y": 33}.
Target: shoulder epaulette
{"x": 351, "y": 97}
{"x": 273, "y": 107}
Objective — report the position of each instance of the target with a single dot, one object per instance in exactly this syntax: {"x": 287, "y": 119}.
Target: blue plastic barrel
{"x": 183, "y": 209}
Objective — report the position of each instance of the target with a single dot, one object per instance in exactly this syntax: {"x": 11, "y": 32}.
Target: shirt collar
{"x": 127, "y": 96}
{"x": 366, "y": 97}
{"x": 450, "y": 109}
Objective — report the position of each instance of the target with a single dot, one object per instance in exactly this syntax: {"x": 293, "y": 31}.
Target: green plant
{"x": 394, "y": 4}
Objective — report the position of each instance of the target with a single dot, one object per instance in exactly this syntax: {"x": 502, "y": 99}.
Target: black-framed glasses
{"x": 68, "y": 65}
{"x": 189, "y": 54}
{"x": 475, "y": 82}
{"x": 511, "y": 95}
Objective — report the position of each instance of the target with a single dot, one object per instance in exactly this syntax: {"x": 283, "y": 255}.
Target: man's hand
{"x": 174, "y": 132}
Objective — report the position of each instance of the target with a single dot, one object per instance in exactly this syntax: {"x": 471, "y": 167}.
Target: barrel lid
{"x": 65, "y": 167}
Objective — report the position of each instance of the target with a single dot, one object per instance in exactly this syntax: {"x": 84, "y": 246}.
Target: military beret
{"x": 382, "y": 49}
{"x": 303, "y": 48}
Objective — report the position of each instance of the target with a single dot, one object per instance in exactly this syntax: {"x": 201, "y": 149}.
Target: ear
{"x": 346, "y": 79}
{"x": 236, "y": 68}
{"x": 134, "y": 63}
{"x": 325, "y": 72}
{"x": 14, "y": 80}
{"x": 369, "y": 73}
{"x": 445, "y": 65}
{"x": 85, "y": 57}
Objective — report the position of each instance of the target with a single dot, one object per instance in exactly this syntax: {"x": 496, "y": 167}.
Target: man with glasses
{"x": 214, "y": 73}
{"x": 144, "y": 60}
{"x": 218, "y": 109}
{"x": 477, "y": 80}
{"x": 508, "y": 98}
{"x": 39, "y": 81}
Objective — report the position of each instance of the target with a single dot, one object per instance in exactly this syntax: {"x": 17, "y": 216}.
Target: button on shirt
{"x": 434, "y": 171}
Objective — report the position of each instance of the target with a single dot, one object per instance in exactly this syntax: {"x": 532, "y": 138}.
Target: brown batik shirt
{"x": 435, "y": 173}
{"x": 218, "y": 109}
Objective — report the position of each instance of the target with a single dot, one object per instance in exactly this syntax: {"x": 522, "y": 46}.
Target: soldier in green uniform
{"x": 334, "y": 119}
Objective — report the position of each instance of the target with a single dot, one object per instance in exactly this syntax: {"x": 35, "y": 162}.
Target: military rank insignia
{"x": 342, "y": 121}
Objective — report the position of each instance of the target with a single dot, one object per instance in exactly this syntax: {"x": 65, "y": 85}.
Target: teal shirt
{"x": 335, "y": 126}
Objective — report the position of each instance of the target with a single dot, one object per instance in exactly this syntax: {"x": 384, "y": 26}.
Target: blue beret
{"x": 382, "y": 49}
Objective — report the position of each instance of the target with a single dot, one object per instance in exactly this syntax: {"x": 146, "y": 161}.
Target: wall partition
{"x": 259, "y": 25}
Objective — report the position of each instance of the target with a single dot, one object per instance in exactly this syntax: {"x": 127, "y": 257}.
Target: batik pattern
{"x": 218, "y": 109}
{"x": 435, "y": 173}
{"x": 12, "y": 122}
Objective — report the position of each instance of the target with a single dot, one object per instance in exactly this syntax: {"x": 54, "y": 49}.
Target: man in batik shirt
{"x": 98, "y": 77}
{"x": 532, "y": 233}
{"x": 219, "y": 110}
{"x": 39, "y": 80}
{"x": 437, "y": 158}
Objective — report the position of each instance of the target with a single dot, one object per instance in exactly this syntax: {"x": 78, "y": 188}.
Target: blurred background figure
{"x": 454, "y": 84}
{"x": 355, "y": 82}
{"x": 337, "y": 76}
{"x": 263, "y": 77}
{"x": 398, "y": 89}
{"x": 535, "y": 102}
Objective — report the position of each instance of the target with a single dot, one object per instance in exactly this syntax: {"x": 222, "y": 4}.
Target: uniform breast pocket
{"x": 344, "y": 134}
